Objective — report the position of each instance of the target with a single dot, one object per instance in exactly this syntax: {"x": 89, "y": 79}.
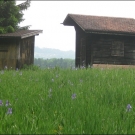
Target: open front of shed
{"x": 103, "y": 40}
{"x": 17, "y": 49}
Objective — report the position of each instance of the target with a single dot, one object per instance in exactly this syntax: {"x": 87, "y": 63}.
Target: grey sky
{"x": 47, "y": 16}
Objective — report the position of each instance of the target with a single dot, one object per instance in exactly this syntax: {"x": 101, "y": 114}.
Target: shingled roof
{"x": 21, "y": 34}
{"x": 102, "y": 24}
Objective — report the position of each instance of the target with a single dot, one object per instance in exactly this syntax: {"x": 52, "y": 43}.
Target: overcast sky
{"x": 47, "y": 16}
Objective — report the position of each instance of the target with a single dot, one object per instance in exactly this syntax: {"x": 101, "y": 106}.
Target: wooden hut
{"x": 103, "y": 40}
{"x": 17, "y": 49}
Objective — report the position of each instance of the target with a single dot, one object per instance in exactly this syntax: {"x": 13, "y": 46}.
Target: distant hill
{"x": 47, "y": 53}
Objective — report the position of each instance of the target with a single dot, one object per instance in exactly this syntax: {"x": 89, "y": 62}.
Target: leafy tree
{"x": 11, "y": 15}
{"x": 51, "y": 63}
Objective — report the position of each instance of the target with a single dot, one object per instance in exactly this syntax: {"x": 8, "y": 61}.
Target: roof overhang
{"x": 21, "y": 34}
{"x": 70, "y": 21}
{"x": 35, "y": 33}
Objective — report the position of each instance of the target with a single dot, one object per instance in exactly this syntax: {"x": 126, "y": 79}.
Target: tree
{"x": 11, "y": 15}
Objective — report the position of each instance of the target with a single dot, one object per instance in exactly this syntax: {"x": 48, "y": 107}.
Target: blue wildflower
{"x": 81, "y": 80}
{"x": 128, "y": 107}
{"x": 74, "y": 96}
{"x": 1, "y": 103}
{"x": 9, "y": 111}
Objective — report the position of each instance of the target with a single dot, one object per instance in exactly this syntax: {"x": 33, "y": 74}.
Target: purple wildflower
{"x": 128, "y": 107}
{"x": 7, "y": 103}
{"x": 9, "y": 111}
{"x": 81, "y": 80}
{"x": 74, "y": 96}
{"x": 1, "y": 103}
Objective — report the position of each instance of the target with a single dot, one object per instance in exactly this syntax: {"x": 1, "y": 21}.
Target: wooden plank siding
{"x": 14, "y": 52}
{"x": 102, "y": 50}
{"x": 8, "y": 53}
{"x": 97, "y": 49}
{"x": 79, "y": 34}
{"x": 89, "y": 50}
{"x": 26, "y": 51}
{"x": 84, "y": 50}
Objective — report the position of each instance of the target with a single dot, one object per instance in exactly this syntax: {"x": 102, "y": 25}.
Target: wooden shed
{"x": 103, "y": 40}
{"x": 17, "y": 49}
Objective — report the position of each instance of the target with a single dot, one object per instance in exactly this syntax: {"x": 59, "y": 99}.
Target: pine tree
{"x": 11, "y": 15}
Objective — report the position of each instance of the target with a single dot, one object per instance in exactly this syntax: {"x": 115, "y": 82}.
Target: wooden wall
{"x": 8, "y": 53}
{"x": 81, "y": 48}
{"x": 14, "y": 53}
{"x": 103, "y": 49}
{"x": 26, "y": 51}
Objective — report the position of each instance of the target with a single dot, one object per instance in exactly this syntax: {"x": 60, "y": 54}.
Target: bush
{"x": 10, "y": 29}
{"x": 1, "y": 30}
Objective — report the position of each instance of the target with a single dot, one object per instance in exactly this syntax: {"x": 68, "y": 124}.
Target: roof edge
{"x": 21, "y": 34}
{"x": 31, "y": 34}
{"x": 111, "y": 33}
{"x": 73, "y": 20}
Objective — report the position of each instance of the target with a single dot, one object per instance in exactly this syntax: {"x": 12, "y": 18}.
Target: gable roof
{"x": 21, "y": 34}
{"x": 102, "y": 24}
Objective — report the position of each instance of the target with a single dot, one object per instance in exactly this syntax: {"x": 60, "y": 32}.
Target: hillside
{"x": 47, "y": 53}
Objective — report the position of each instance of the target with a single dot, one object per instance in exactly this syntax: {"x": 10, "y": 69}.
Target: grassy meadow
{"x": 67, "y": 101}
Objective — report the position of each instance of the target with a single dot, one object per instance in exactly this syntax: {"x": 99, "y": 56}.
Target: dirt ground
{"x": 112, "y": 66}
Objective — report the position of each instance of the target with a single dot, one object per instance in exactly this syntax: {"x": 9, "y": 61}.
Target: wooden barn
{"x": 103, "y": 40}
{"x": 17, "y": 49}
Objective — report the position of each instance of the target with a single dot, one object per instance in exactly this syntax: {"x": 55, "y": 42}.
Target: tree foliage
{"x": 11, "y": 15}
{"x": 51, "y": 63}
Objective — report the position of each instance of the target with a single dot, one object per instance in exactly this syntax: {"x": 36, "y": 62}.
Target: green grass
{"x": 99, "y": 106}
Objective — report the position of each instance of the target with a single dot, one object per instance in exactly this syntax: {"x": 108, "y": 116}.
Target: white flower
{"x": 50, "y": 90}
{"x": 20, "y": 73}
{"x": 2, "y": 72}
{"x": 5, "y": 67}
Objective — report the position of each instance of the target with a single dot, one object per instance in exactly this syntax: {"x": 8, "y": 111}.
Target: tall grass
{"x": 42, "y": 101}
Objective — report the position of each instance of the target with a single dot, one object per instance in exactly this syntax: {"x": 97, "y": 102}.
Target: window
{"x": 117, "y": 48}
